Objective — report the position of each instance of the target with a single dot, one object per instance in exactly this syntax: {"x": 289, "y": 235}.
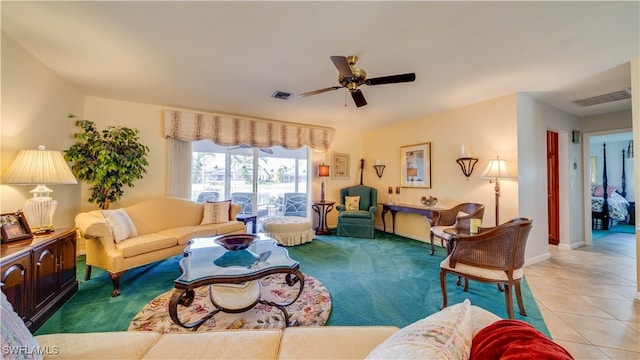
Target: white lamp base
{"x": 39, "y": 210}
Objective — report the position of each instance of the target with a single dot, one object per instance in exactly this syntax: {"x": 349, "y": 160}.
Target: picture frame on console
{"x": 15, "y": 227}
{"x": 415, "y": 168}
{"x": 340, "y": 166}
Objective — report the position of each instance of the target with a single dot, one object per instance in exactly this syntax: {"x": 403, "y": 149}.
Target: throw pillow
{"x": 443, "y": 335}
{"x": 513, "y": 339}
{"x": 216, "y": 212}
{"x": 120, "y": 223}
{"x": 352, "y": 202}
{"x": 17, "y": 341}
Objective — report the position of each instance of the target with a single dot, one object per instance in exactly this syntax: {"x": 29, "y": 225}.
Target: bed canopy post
{"x": 624, "y": 178}
{"x": 605, "y": 186}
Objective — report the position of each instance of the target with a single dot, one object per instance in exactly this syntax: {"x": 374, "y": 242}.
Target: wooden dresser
{"x": 38, "y": 276}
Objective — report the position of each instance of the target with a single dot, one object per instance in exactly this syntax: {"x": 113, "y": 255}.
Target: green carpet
{"x": 390, "y": 280}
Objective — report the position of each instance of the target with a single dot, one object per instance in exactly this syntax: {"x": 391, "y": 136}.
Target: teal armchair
{"x": 358, "y": 223}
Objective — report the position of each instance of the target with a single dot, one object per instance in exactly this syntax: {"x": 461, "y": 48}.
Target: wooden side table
{"x": 322, "y": 208}
{"x": 245, "y": 218}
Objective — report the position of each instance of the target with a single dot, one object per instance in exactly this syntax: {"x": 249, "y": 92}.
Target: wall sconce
{"x": 379, "y": 168}
{"x": 466, "y": 165}
{"x": 630, "y": 150}
{"x": 466, "y": 162}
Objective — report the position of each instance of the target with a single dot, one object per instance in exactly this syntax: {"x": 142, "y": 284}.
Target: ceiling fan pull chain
{"x": 345, "y": 97}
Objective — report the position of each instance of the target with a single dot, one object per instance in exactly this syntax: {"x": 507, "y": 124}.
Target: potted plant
{"x": 108, "y": 160}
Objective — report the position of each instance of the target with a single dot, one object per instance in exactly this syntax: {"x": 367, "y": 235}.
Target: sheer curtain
{"x": 179, "y": 179}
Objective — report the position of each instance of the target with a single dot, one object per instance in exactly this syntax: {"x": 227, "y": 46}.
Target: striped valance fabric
{"x": 228, "y": 130}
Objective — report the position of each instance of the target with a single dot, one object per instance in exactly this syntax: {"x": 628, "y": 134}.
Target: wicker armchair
{"x": 495, "y": 255}
{"x": 461, "y": 213}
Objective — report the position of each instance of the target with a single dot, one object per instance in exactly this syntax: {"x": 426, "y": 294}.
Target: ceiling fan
{"x": 351, "y": 77}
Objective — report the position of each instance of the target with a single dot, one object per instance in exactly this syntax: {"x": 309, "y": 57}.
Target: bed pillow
{"x": 216, "y": 212}
{"x": 120, "y": 223}
{"x": 443, "y": 335}
{"x": 352, "y": 202}
{"x": 511, "y": 339}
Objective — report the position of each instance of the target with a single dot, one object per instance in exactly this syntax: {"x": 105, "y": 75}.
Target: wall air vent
{"x": 281, "y": 95}
{"x": 605, "y": 98}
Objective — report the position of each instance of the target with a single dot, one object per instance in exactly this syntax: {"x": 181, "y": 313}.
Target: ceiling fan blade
{"x": 358, "y": 98}
{"x": 342, "y": 64}
{"x": 320, "y": 91}
{"x": 391, "y": 79}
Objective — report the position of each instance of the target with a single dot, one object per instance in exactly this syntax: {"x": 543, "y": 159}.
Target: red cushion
{"x": 515, "y": 339}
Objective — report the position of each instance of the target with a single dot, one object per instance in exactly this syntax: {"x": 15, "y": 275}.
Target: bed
{"x": 609, "y": 207}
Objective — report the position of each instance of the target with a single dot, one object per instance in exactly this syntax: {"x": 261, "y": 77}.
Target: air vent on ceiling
{"x": 605, "y": 98}
{"x": 281, "y": 95}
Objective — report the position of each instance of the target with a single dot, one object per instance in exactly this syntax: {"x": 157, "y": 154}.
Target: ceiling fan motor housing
{"x": 352, "y": 83}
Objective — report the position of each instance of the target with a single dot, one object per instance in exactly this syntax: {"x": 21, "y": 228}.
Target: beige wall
{"x": 35, "y": 104}
{"x": 487, "y": 129}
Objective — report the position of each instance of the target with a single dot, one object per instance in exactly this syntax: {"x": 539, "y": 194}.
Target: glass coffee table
{"x": 232, "y": 277}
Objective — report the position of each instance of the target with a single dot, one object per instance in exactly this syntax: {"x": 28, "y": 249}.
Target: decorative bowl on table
{"x": 428, "y": 201}
{"x": 236, "y": 242}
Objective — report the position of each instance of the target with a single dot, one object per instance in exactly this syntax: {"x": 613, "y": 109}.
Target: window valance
{"x": 228, "y": 130}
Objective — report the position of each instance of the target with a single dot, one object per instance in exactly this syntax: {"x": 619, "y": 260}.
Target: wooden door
{"x": 553, "y": 201}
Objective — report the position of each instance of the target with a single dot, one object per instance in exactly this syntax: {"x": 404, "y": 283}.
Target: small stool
{"x": 288, "y": 230}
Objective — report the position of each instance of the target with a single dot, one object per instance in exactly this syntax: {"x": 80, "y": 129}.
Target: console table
{"x": 429, "y": 213}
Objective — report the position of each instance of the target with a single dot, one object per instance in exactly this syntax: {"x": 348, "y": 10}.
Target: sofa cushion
{"x": 160, "y": 213}
{"x": 443, "y": 335}
{"x": 332, "y": 342}
{"x": 236, "y": 344}
{"x": 145, "y": 243}
{"x": 17, "y": 341}
{"x": 216, "y": 212}
{"x": 515, "y": 339}
{"x": 99, "y": 345}
{"x": 121, "y": 225}
{"x": 185, "y": 233}
{"x": 231, "y": 227}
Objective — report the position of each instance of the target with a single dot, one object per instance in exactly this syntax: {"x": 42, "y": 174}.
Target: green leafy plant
{"x": 108, "y": 160}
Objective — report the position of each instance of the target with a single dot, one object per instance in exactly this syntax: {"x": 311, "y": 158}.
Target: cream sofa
{"x": 329, "y": 342}
{"x": 164, "y": 225}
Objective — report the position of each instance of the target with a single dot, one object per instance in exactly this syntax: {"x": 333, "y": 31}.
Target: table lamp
{"x": 40, "y": 167}
{"x": 323, "y": 172}
{"x": 496, "y": 170}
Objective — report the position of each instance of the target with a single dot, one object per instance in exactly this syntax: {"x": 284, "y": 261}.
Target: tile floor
{"x": 586, "y": 297}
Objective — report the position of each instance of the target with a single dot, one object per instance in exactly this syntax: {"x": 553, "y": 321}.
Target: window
{"x": 258, "y": 178}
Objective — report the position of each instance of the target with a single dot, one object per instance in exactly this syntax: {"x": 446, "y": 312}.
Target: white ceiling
{"x": 229, "y": 57}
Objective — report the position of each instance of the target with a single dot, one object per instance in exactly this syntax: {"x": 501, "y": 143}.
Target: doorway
{"x": 553, "y": 202}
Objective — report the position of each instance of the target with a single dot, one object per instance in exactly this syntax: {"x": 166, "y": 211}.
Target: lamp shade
{"x": 496, "y": 169}
{"x": 323, "y": 170}
{"x": 41, "y": 167}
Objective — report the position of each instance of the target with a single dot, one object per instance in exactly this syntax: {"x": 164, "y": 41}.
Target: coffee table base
{"x": 185, "y": 297}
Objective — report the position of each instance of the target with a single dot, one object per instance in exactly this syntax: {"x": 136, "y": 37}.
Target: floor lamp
{"x": 496, "y": 170}
{"x": 40, "y": 167}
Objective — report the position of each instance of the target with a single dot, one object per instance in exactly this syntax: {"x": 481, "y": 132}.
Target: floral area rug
{"x": 312, "y": 308}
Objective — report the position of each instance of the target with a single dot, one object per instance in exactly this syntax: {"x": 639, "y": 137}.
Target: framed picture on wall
{"x": 14, "y": 227}
{"x": 415, "y": 168}
{"x": 340, "y": 166}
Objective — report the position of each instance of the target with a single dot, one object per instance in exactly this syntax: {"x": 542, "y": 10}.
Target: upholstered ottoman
{"x": 288, "y": 230}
